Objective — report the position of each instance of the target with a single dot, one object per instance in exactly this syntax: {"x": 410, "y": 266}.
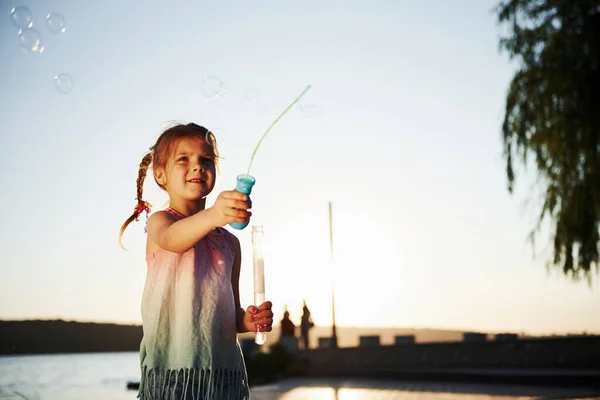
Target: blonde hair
{"x": 158, "y": 157}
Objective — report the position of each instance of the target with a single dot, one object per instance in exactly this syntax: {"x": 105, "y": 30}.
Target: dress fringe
{"x": 193, "y": 384}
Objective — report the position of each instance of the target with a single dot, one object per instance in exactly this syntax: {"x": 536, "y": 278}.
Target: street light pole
{"x": 333, "y": 343}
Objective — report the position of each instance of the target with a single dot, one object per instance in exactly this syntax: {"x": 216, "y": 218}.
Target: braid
{"x": 141, "y": 204}
{"x": 146, "y": 161}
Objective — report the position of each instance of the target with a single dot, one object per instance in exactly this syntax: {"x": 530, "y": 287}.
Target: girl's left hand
{"x": 259, "y": 319}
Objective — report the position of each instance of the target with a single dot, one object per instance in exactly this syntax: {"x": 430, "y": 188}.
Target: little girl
{"x": 191, "y": 309}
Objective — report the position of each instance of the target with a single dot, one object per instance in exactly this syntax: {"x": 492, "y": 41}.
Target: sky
{"x": 400, "y": 130}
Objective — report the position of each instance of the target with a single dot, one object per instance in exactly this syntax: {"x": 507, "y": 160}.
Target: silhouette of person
{"x": 287, "y": 326}
{"x": 305, "y": 325}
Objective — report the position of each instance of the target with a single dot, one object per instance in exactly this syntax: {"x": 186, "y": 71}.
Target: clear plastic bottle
{"x": 259, "y": 274}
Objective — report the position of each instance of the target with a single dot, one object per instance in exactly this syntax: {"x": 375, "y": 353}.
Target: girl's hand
{"x": 259, "y": 319}
{"x": 230, "y": 206}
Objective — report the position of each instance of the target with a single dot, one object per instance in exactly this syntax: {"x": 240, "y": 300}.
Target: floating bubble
{"x": 56, "y": 23}
{"x": 310, "y": 110}
{"x": 31, "y": 40}
{"x": 224, "y": 90}
{"x": 21, "y": 17}
{"x": 271, "y": 109}
{"x": 63, "y": 83}
{"x": 211, "y": 86}
{"x": 219, "y": 135}
{"x": 251, "y": 95}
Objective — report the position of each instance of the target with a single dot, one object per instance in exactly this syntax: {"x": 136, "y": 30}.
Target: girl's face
{"x": 190, "y": 172}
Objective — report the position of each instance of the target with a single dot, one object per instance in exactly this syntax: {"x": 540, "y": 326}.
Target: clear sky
{"x": 400, "y": 130}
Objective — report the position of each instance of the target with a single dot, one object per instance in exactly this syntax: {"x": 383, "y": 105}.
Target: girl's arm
{"x": 177, "y": 236}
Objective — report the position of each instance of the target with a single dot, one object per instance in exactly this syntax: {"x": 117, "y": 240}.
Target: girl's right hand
{"x": 230, "y": 206}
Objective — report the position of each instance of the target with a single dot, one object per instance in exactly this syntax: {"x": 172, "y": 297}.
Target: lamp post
{"x": 333, "y": 342}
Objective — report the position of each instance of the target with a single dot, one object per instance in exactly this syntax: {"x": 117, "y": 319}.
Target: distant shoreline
{"x": 61, "y": 336}
{"x": 382, "y": 328}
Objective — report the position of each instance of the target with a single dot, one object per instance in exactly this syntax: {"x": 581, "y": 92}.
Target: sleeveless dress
{"x": 190, "y": 348}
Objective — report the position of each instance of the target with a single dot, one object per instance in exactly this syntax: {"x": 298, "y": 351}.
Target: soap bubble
{"x": 219, "y": 135}
{"x": 309, "y": 110}
{"x": 251, "y": 95}
{"x": 224, "y": 90}
{"x": 211, "y": 86}
{"x": 21, "y": 17}
{"x": 31, "y": 40}
{"x": 56, "y": 23}
{"x": 271, "y": 109}
{"x": 63, "y": 83}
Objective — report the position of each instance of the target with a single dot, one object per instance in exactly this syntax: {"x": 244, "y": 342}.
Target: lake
{"x": 99, "y": 376}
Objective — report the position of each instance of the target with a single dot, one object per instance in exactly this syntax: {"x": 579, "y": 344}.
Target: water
{"x": 259, "y": 298}
{"x": 259, "y": 274}
{"x": 69, "y": 376}
{"x": 104, "y": 376}
{"x": 371, "y": 389}
{"x": 259, "y": 280}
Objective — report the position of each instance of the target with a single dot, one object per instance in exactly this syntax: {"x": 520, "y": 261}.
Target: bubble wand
{"x": 273, "y": 123}
{"x": 245, "y": 182}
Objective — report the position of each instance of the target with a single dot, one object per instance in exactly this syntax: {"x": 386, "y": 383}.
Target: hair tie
{"x": 141, "y": 207}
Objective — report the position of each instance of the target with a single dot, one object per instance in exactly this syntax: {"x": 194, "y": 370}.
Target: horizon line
{"x": 422, "y": 328}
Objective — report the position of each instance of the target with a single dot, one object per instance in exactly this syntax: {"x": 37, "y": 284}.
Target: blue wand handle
{"x": 244, "y": 184}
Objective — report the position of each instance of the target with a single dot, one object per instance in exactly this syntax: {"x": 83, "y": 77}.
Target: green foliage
{"x": 553, "y": 113}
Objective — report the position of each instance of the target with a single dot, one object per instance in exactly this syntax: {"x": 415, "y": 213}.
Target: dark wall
{"x": 564, "y": 353}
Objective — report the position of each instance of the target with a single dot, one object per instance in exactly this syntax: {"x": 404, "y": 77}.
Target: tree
{"x": 553, "y": 114}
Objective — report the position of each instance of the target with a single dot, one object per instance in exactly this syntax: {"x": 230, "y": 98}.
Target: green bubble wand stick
{"x": 245, "y": 182}
{"x": 273, "y": 123}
